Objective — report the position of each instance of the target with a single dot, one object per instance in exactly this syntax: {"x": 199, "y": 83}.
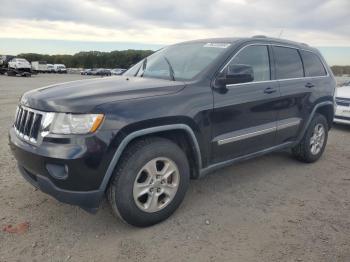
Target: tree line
{"x": 92, "y": 59}
{"x": 341, "y": 70}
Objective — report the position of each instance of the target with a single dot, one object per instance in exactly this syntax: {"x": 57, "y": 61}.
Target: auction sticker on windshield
{"x": 217, "y": 45}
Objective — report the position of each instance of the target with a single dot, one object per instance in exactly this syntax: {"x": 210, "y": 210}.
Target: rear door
{"x": 295, "y": 93}
{"x": 244, "y": 116}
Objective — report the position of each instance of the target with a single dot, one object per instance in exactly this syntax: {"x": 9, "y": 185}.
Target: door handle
{"x": 309, "y": 85}
{"x": 270, "y": 90}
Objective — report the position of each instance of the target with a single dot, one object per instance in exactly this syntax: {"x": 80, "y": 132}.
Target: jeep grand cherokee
{"x": 180, "y": 113}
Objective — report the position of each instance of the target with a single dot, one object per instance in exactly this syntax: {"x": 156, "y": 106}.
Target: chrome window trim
{"x": 276, "y": 80}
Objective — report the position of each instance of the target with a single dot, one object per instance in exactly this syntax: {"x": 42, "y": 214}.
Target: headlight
{"x": 63, "y": 123}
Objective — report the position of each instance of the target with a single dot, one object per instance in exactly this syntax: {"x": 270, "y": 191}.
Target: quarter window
{"x": 288, "y": 63}
{"x": 312, "y": 64}
{"x": 257, "y": 57}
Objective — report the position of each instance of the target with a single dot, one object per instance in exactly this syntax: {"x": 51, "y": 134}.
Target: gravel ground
{"x": 271, "y": 208}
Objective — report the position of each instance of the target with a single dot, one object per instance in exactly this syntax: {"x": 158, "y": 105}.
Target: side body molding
{"x": 147, "y": 131}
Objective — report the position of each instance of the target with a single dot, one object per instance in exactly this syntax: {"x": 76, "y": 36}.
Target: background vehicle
{"x": 180, "y": 113}
{"x": 13, "y": 66}
{"x": 342, "y": 114}
{"x": 346, "y": 84}
{"x": 4, "y": 59}
{"x": 39, "y": 66}
{"x": 86, "y": 72}
{"x": 102, "y": 72}
{"x": 50, "y": 68}
{"x": 60, "y": 68}
{"x": 118, "y": 71}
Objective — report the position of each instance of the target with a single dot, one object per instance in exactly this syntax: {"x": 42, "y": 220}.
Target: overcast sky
{"x": 150, "y": 24}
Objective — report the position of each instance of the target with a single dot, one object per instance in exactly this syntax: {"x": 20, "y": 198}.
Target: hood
{"x": 343, "y": 92}
{"x": 84, "y": 95}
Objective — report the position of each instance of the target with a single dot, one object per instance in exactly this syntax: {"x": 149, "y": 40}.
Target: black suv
{"x": 180, "y": 113}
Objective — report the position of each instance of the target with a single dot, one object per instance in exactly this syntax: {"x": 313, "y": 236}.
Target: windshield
{"x": 178, "y": 62}
{"x": 21, "y": 60}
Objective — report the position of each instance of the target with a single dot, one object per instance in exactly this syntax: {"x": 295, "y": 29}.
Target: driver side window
{"x": 256, "y": 58}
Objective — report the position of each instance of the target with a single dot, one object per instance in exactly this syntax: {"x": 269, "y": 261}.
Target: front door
{"x": 244, "y": 117}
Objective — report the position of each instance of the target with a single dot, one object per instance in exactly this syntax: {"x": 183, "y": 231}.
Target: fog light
{"x": 58, "y": 171}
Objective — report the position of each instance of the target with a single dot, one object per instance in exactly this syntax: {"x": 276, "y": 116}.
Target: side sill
{"x": 205, "y": 171}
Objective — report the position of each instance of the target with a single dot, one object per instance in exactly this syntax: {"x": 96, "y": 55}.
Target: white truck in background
{"x": 60, "y": 68}
{"x": 50, "y": 68}
{"x": 39, "y": 66}
{"x": 14, "y": 66}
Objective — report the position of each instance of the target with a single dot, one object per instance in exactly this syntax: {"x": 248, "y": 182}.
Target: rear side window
{"x": 258, "y": 58}
{"x": 288, "y": 63}
{"x": 312, "y": 64}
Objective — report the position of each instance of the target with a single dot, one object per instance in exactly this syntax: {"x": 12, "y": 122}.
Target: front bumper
{"x": 342, "y": 115}
{"x": 84, "y": 162}
{"x": 87, "y": 200}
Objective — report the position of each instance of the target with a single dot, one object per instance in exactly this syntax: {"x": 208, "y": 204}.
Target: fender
{"x": 317, "y": 106}
{"x": 148, "y": 131}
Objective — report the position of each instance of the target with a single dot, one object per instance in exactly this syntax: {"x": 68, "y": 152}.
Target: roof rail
{"x": 259, "y": 36}
{"x": 304, "y": 44}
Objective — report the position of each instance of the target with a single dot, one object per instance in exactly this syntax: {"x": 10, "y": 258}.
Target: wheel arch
{"x": 326, "y": 107}
{"x": 327, "y": 110}
{"x": 167, "y": 131}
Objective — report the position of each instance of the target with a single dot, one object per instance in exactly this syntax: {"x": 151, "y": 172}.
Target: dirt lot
{"x": 272, "y": 208}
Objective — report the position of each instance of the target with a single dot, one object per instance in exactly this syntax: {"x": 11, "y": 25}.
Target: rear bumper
{"x": 342, "y": 120}
{"x": 88, "y": 200}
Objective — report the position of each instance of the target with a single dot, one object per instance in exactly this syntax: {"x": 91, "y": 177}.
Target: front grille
{"x": 27, "y": 123}
{"x": 342, "y": 101}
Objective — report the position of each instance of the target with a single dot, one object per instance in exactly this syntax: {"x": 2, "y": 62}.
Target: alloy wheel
{"x": 156, "y": 184}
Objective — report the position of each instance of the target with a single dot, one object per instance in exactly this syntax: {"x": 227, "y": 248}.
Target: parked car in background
{"x": 50, "y": 68}
{"x": 4, "y": 60}
{"x": 20, "y": 63}
{"x": 346, "y": 84}
{"x": 19, "y": 66}
{"x": 103, "y": 72}
{"x": 60, "y": 68}
{"x": 139, "y": 138}
{"x": 39, "y": 66}
{"x": 342, "y": 98}
{"x": 86, "y": 72}
{"x": 118, "y": 71}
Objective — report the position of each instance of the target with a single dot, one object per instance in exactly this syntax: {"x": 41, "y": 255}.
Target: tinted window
{"x": 258, "y": 58}
{"x": 288, "y": 63}
{"x": 312, "y": 64}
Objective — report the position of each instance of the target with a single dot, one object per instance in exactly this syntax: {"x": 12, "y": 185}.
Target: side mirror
{"x": 239, "y": 74}
{"x": 235, "y": 74}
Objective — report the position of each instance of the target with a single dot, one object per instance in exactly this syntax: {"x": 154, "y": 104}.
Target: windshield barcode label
{"x": 217, "y": 45}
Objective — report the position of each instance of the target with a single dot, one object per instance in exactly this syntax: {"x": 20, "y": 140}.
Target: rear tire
{"x": 150, "y": 182}
{"x": 313, "y": 144}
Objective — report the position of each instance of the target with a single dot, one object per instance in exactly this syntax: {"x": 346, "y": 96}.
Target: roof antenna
{"x": 281, "y": 33}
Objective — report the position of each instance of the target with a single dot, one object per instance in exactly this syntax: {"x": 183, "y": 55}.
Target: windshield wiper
{"x": 171, "y": 69}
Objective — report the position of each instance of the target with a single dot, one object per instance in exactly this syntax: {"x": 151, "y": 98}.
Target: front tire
{"x": 150, "y": 182}
{"x": 313, "y": 144}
